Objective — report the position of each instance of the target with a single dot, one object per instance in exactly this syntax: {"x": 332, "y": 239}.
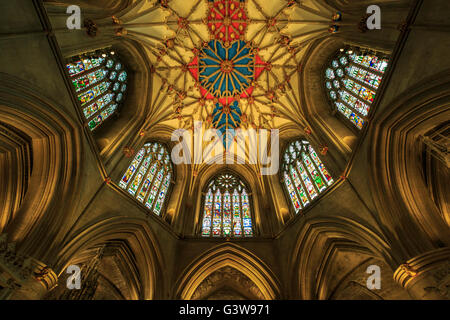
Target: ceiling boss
{"x": 227, "y": 66}
{"x": 227, "y": 63}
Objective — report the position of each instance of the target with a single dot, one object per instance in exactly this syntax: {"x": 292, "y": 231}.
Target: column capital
{"x": 24, "y": 277}
{"x": 426, "y": 276}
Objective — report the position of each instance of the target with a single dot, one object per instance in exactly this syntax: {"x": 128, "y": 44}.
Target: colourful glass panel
{"x": 132, "y": 169}
{"x": 139, "y": 177}
{"x": 110, "y": 63}
{"x": 364, "y": 76}
{"x": 93, "y": 93}
{"x": 247, "y": 221}
{"x": 89, "y": 79}
{"x": 320, "y": 165}
{"x": 354, "y": 102}
{"x": 162, "y": 195}
{"x": 147, "y": 182}
{"x": 123, "y": 76}
{"x": 298, "y": 185}
{"x": 370, "y": 61}
{"x": 304, "y": 174}
{"x": 108, "y": 111}
{"x": 147, "y": 179}
{"x": 81, "y": 66}
{"x": 206, "y": 225}
{"x": 306, "y": 180}
{"x": 226, "y": 214}
{"x": 98, "y": 105}
{"x": 343, "y": 60}
{"x": 226, "y": 205}
{"x": 217, "y": 217}
{"x": 320, "y": 183}
{"x": 359, "y": 90}
{"x": 354, "y": 118}
{"x": 292, "y": 193}
{"x": 154, "y": 190}
{"x": 237, "y": 223}
{"x": 95, "y": 122}
{"x": 330, "y": 74}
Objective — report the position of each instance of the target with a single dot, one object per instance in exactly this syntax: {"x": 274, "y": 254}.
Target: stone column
{"x": 22, "y": 277}
{"x": 426, "y": 277}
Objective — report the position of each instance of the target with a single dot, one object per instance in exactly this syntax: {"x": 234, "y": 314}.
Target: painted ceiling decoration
{"x": 230, "y": 64}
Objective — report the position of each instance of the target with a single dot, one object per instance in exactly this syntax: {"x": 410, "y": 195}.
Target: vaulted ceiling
{"x": 230, "y": 64}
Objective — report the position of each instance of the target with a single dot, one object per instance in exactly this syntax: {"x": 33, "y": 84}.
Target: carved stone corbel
{"x": 27, "y": 277}
{"x": 426, "y": 277}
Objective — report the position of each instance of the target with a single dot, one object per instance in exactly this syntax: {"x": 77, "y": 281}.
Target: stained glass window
{"x": 97, "y": 77}
{"x": 149, "y": 176}
{"x": 303, "y": 173}
{"x": 226, "y": 208}
{"x": 352, "y": 80}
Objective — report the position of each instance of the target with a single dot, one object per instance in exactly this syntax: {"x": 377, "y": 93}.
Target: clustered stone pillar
{"x": 21, "y": 277}
{"x": 427, "y": 276}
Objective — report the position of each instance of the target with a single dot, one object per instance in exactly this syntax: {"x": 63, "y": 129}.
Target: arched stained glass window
{"x": 352, "y": 80}
{"x": 226, "y": 208}
{"x": 303, "y": 173}
{"x": 100, "y": 82}
{"x": 149, "y": 176}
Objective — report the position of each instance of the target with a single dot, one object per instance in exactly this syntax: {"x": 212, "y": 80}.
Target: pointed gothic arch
{"x": 150, "y": 176}
{"x": 227, "y": 209}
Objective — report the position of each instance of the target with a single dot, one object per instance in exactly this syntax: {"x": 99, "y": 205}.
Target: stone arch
{"x": 318, "y": 240}
{"x": 132, "y": 235}
{"x": 55, "y": 139}
{"x": 318, "y": 110}
{"x": 410, "y": 215}
{"x": 235, "y": 257}
{"x": 16, "y": 166}
{"x": 256, "y": 188}
{"x": 123, "y": 128}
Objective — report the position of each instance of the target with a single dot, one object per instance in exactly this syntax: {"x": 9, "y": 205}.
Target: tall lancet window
{"x": 100, "y": 83}
{"x": 352, "y": 80}
{"x": 226, "y": 208}
{"x": 149, "y": 176}
{"x": 303, "y": 173}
